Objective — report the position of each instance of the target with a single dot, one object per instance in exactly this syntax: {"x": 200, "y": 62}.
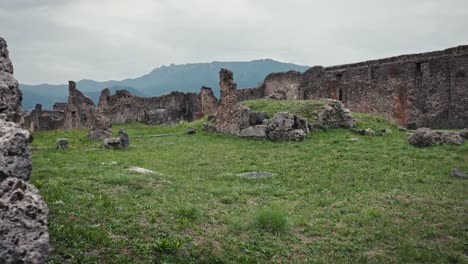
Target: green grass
{"x": 374, "y": 200}
{"x": 307, "y": 109}
{"x": 271, "y": 219}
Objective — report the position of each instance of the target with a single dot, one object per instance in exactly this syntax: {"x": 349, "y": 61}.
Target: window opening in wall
{"x": 340, "y": 94}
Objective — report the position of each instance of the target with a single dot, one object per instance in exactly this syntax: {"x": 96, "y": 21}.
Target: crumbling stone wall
{"x": 419, "y": 90}
{"x": 245, "y": 94}
{"x": 24, "y": 236}
{"x": 81, "y": 113}
{"x": 231, "y": 116}
{"x": 165, "y": 109}
{"x": 208, "y": 102}
{"x": 287, "y": 82}
{"x": 43, "y": 120}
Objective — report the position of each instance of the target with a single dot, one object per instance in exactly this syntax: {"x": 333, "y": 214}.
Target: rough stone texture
{"x": 10, "y": 94}
{"x": 100, "y": 126}
{"x": 209, "y": 127}
{"x": 209, "y": 103}
{"x": 24, "y": 236}
{"x": 334, "y": 115}
{"x": 279, "y": 95}
{"x": 81, "y": 113}
{"x": 250, "y": 93}
{"x": 60, "y": 107}
{"x": 112, "y": 143}
{"x": 15, "y": 157}
{"x": 62, "y": 143}
{"x": 43, "y": 120}
{"x": 124, "y": 139}
{"x": 418, "y": 90}
{"x": 293, "y": 135}
{"x": 257, "y": 118}
{"x": 231, "y": 116}
{"x": 258, "y": 132}
{"x": 459, "y": 173}
{"x": 464, "y": 133}
{"x": 281, "y": 121}
{"x": 171, "y": 108}
{"x": 288, "y": 83}
{"x": 424, "y": 137}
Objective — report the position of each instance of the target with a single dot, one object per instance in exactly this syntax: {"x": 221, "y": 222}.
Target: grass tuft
{"x": 271, "y": 219}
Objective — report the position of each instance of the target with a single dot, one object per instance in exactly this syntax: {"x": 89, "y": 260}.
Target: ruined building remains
{"x": 165, "y": 109}
{"x": 419, "y": 90}
{"x": 24, "y": 236}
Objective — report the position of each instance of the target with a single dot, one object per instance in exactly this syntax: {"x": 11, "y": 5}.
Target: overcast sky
{"x": 52, "y": 41}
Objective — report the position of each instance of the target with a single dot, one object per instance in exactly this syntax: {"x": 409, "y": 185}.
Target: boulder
{"x": 293, "y": 135}
{"x": 301, "y": 123}
{"x": 258, "y": 132}
{"x": 256, "y": 118}
{"x": 112, "y": 143}
{"x": 281, "y": 121}
{"x": 464, "y": 133}
{"x": 124, "y": 139}
{"x": 62, "y": 143}
{"x": 191, "y": 131}
{"x": 334, "y": 115}
{"x": 23, "y": 223}
{"x": 424, "y": 137}
{"x": 15, "y": 157}
{"x": 459, "y": 173}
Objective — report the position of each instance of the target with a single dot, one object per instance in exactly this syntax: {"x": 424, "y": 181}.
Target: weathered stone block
{"x": 258, "y": 131}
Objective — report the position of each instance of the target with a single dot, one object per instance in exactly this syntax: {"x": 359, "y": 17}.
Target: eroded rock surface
{"x": 10, "y": 94}
{"x": 15, "y": 160}
{"x": 24, "y": 236}
{"x": 424, "y": 137}
{"x": 334, "y": 115}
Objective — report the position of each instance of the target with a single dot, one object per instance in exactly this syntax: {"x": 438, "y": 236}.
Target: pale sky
{"x": 52, "y": 41}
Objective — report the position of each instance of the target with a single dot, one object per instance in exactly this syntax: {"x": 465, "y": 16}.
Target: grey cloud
{"x": 56, "y": 40}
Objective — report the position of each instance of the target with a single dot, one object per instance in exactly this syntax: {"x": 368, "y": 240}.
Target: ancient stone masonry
{"x": 235, "y": 118}
{"x": 419, "y": 90}
{"x": 165, "y": 109}
{"x": 231, "y": 116}
{"x": 208, "y": 102}
{"x": 42, "y": 120}
{"x": 24, "y": 236}
{"x": 81, "y": 113}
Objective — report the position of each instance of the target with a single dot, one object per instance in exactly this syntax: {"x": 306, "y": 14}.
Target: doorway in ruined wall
{"x": 400, "y": 113}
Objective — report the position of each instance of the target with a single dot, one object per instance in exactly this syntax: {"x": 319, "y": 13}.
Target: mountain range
{"x": 184, "y": 78}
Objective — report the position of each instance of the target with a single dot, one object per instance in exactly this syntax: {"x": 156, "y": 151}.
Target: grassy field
{"x": 335, "y": 199}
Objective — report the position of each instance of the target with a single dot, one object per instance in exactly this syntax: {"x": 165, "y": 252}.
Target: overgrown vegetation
{"x": 304, "y": 108}
{"x": 334, "y": 199}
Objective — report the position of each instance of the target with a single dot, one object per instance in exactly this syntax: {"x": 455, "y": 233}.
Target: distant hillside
{"x": 184, "y": 78}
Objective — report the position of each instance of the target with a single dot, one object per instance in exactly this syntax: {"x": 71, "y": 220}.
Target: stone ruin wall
{"x": 165, "y": 109}
{"x": 419, "y": 90}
